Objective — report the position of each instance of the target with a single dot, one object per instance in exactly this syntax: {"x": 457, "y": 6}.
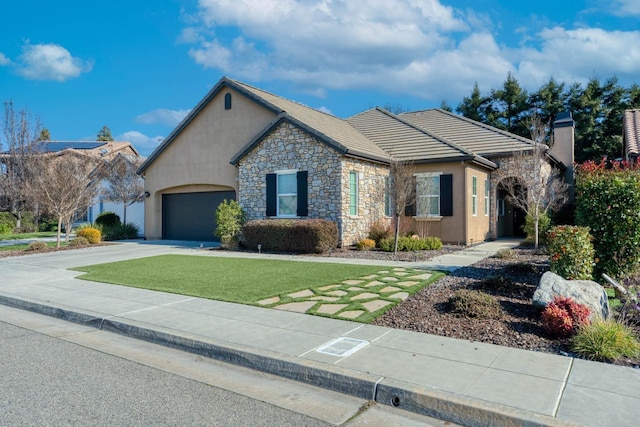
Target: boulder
{"x": 585, "y": 292}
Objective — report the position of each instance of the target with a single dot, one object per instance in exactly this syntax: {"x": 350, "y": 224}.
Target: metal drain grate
{"x": 342, "y": 347}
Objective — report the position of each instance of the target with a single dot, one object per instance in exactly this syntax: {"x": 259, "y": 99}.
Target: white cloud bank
{"x": 415, "y": 47}
{"x": 163, "y": 116}
{"x": 50, "y": 62}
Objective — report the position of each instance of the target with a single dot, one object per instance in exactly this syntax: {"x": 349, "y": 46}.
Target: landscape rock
{"x": 586, "y": 292}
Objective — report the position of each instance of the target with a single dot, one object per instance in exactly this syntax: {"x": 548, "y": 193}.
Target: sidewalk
{"x": 465, "y": 382}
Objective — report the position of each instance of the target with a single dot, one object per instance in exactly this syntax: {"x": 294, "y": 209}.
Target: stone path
{"x": 357, "y": 299}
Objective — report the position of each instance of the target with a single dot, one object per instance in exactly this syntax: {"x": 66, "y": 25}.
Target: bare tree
{"x": 20, "y": 140}
{"x": 401, "y": 192}
{"x": 63, "y": 184}
{"x": 544, "y": 190}
{"x": 122, "y": 183}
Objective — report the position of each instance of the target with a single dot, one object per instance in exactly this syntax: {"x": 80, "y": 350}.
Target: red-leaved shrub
{"x": 563, "y": 315}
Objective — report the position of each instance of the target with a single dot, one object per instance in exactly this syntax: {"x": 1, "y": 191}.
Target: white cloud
{"x": 414, "y": 47}
{"x": 163, "y": 116}
{"x": 50, "y": 62}
{"x": 4, "y": 60}
{"x": 625, "y": 7}
{"x": 143, "y": 143}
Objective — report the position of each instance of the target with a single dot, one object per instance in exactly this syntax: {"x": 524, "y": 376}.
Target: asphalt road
{"x": 57, "y": 373}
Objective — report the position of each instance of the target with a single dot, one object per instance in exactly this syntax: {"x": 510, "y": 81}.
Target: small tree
{"x": 229, "y": 219}
{"x": 401, "y": 192}
{"x": 545, "y": 189}
{"x": 63, "y": 185}
{"x": 105, "y": 134}
{"x": 122, "y": 183}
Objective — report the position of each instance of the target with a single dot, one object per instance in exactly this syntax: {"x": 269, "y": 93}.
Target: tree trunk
{"x": 59, "y": 232}
{"x": 124, "y": 215}
{"x": 537, "y": 220}
{"x": 395, "y": 244}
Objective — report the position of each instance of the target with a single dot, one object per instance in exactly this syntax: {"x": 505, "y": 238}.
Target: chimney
{"x": 563, "y": 146}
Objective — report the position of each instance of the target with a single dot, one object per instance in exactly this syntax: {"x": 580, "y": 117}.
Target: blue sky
{"x": 139, "y": 66}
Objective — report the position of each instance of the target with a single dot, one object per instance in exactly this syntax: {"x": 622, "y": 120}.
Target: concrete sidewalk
{"x": 466, "y": 382}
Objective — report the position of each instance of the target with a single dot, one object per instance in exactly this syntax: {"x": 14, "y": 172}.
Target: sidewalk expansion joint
{"x": 565, "y": 381}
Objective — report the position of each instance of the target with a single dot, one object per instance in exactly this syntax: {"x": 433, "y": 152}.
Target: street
{"x": 58, "y": 373}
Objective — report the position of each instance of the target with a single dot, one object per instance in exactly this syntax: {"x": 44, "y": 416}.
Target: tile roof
{"x": 476, "y": 137}
{"x": 631, "y": 131}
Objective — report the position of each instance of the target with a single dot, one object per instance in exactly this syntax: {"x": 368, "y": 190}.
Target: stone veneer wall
{"x": 371, "y": 192}
{"x": 289, "y": 147}
{"x": 506, "y": 163}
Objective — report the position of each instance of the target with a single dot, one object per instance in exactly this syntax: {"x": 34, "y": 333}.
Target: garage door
{"x": 191, "y": 216}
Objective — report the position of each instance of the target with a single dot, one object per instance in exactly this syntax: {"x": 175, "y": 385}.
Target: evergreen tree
{"x": 44, "y": 135}
{"x": 105, "y": 134}
{"x": 475, "y": 106}
{"x": 511, "y": 105}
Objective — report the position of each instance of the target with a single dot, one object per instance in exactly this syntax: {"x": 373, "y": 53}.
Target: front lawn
{"x": 25, "y": 246}
{"x": 242, "y": 280}
{"x": 25, "y": 236}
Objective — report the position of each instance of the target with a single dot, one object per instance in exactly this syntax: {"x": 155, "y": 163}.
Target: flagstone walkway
{"x": 360, "y": 299}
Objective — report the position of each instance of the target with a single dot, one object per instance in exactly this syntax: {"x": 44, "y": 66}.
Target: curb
{"x": 411, "y": 397}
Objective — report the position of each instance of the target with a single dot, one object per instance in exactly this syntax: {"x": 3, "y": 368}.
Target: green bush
{"x": 229, "y": 219}
{"x": 7, "y": 222}
{"x": 120, "y": 232}
{"x": 291, "y": 235}
{"x": 366, "y": 245}
{"x": 79, "y": 241}
{"x": 544, "y": 224}
{"x": 478, "y": 304}
{"x": 605, "y": 341}
{"x": 48, "y": 225}
{"x": 608, "y": 202}
{"x": 108, "y": 219}
{"x": 563, "y": 316}
{"x": 571, "y": 252}
{"x": 37, "y": 245}
{"x": 408, "y": 244}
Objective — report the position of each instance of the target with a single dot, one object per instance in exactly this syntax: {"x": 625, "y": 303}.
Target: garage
{"x": 192, "y": 216}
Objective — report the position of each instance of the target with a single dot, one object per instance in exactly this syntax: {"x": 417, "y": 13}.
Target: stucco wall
{"x": 198, "y": 158}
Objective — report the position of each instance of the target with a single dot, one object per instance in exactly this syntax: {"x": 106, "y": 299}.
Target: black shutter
{"x": 303, "y": 206}
{"x": 446, "y": 195}
{"x": 410, "y": 208}
{"x": 272, "y": 194}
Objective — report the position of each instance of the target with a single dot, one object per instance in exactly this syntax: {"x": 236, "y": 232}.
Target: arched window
{"x": 227, "y": 101}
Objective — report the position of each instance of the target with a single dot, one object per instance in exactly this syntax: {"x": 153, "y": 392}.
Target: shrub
{"x": 379, "y": 231}
{"x": 92, "y": 235}
{"x": 48, "y": 225}
{"x": 229, "y": 219}
{"x": 407, "y": 243}
{"x": 520, "y": 268}
{"x": 79, "y": 241}
{"x": 505, "y": 254}
{"x": 496, "y": 283}
{"x": 120, "y": 232}
{"x": 544, "y": 224}
{"x": 571, "y": 252}
{"x": 475, "y": 304}
{"x": 7, "y": 222}
{"x": 608, "y": 202}
{"x": 108, "y": 219}
{"x": 605, "y": 341}
{"x": 38, "y": 245}
{"x": 291, "y": 235}
{"x": 563, "y": 316}
{"x": 366, "y": 245}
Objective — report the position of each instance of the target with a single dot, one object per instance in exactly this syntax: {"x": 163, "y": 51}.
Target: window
{"x": 353, "y": 193}
{"x": 486, "y": 197}
{"x": 227, "y": 101}
{"x": 287, "y": 194}
{"x": 474, "y": 195}
{"x": 500, "y": 207}
{"x": 428, "y": 194}
{"x": 387, "y": 196}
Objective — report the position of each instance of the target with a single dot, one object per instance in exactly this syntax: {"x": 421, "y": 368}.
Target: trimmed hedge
{"x": 108, "y": 219}
{"x": 409, "y": 244}
{"x": 571, "y": 252}
{"x": 291, "y": 235}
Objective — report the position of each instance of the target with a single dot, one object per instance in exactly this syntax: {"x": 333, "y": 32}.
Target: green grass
{"x": 20, "y": 236}
{"x": 238, "y": 280}
{"x": 23, "y": 247}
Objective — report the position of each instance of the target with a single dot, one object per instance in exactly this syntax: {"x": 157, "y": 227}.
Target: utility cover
{"x": 342, "y": 347}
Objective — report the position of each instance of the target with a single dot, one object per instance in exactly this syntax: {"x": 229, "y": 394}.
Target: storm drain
{"x": 342, "y": 347}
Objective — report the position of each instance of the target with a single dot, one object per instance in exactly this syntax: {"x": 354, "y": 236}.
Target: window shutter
{"x": 272, "y": 194}
{"x": 410, "y": 208}
{"x": 446, "y": 195}
{"x": 303, "y": 206}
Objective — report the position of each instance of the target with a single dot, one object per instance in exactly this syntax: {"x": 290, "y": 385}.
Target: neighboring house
{"x": 107, "y": 151}
{"x": 281, "y": 159}
{"x": 631, "y": 135}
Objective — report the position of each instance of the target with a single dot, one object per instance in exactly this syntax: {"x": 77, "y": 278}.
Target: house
{"x": 281, "y": 159}
{"x": 631, "y": 134}
{"x": 107, "y": 151}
